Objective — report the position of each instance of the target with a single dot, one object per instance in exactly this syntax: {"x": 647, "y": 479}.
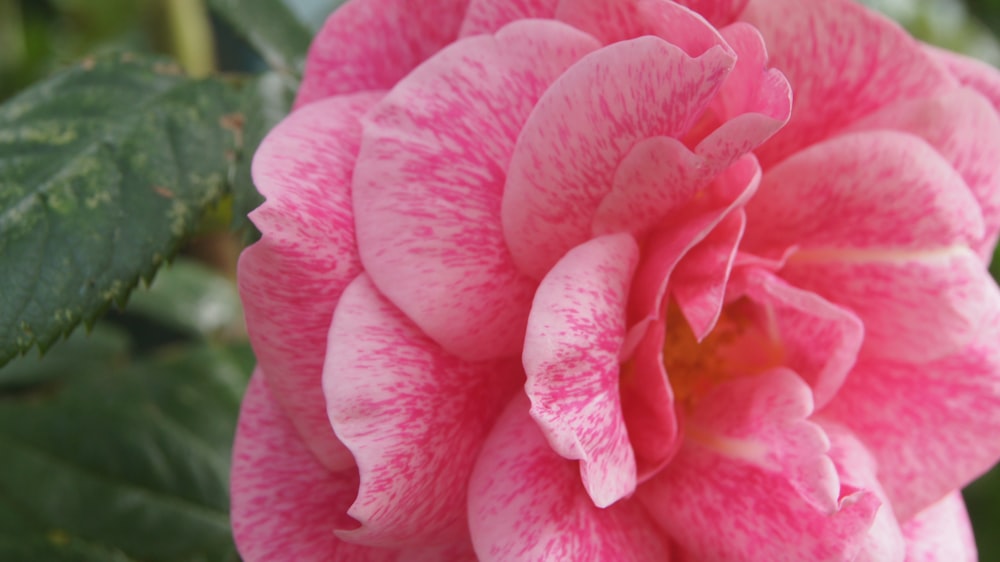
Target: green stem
{"x": 191, "y": 38}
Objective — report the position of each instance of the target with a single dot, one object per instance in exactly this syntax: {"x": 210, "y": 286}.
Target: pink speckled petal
{"x": 291, "y": 279}
{"x": 719, "y": 508}
{"x": 970, "y": 72}
{"x": 931, "y": 426}
{"x": 588, "y": 120}
{"x": 819, "y": 340}
{"x": 285, "y": 504}
{"x": 718, "y": 12}
{"x": 916, "y": 306}
{"x": 457, "y": 552}
{"x": 964, "y": 128}
{"x": 762, "y": 420}
{"x": 620, "y": 20}
{"x": 571, "y": 357}
{"x": 488, "y": 16}
{"x": 872, "y": 190}
{"x": 851, "y": 62}
{"x": 413, "y": 415}
{"x": 429, "y": 180}
{"x": 372, "y": 44}
{"x": 941, "y": 533}
{"x": 526, "y": 503}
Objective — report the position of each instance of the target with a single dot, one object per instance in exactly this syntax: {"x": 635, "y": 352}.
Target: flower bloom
{"x": 579, "y": 280}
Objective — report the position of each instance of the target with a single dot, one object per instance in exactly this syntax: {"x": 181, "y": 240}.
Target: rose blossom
{"x": 576, "y": 280}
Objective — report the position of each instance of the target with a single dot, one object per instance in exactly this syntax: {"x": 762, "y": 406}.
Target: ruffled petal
{"x": 941, "y": 533}
{"x": 571, "y": 358}
{"x": 526, "y": 503}
{"x": 372, "y": 44}
{"x": 285, "y": 504}
{"x": 291, "y": 279}
{"x": 931, "y": 426}
{"x": 429, "y": 180}
{"x": 964, "y": 128}
{"x": 871, "y": 191}
{"x": 414, "y": 417}
{"x": 718, "y": 12}
{"x": 580, "y": 130}
{"x": 488, "y": 16}
{"x": 851, "y": 62}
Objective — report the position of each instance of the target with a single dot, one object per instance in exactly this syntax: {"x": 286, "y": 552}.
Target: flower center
{"x": 740, "y": 344}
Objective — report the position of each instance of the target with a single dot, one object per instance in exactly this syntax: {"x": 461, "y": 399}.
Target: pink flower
{"x": 576, "y": 280}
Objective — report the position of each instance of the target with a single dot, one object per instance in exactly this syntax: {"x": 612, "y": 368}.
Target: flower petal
{"x": 580, "y": 130}
{"x": 291, "y": 279}
{"x": 413, "y": 415}
{"x": 916, "y": 306}
{"x": 488, "y": 16}
{"x": 965, "y": 129}
{"x": 526, "y": 503}
{"x": 851, "y": 62}
{"x": 941, "y": 532}
{"x": 371, "y": 44}
{"x": 571, "y": 357}
{"x": 931, "y": 426}
{"x": 429, "y": 180}
{"x": 871, "y": 190}
{"x": 285, "y": 504}
{"x": 718, "y": 12}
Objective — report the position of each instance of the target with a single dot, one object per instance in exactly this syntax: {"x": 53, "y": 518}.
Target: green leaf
{"x": 266, "y": 101}
{"x": 280, "y": 30}
{"x": 132, "y": 460}
{"x": 55, "y": 548}
{"x": 105, "y": 345}
{"x": 104, "y": 170}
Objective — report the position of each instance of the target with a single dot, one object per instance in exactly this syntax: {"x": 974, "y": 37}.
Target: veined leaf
{"x": 104, "y": 170}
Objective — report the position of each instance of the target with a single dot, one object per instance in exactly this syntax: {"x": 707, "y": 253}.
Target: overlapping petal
{"x": 941, "y": 532}
{"x": 488, "y": 16}
{"x": 413, "y": 416}
{"x": 429, "y": 180}
{"x": 291, "y": 280}
{"x": 571, "y": 358}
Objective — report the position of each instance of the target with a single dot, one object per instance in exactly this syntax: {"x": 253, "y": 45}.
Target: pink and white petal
{"x": 941, "y": 533}
{"x": 372, "y": 44}
{"x": 285, "y": 504}
{"x": 429, "y": 181}
{"x": 718, "y": 12}
{"x": 931, "y": 426}
{"x": 526, "y": 504}
{"x": 717, "y": 508}
{"x": 414, "y": 417}
{"x": 461, "y": 551}
{"x": 699, "y": 282}
{"x": 291, "y": 279}
{"x": 620, "y": 20}
{"x": 965, "y": 129}
{"x": 762, "y": 420}
{"x": 818, "y": 340}
{"x": 488, "y": 16}
{"x": 571, "y": 357}
{"x": 852, "y": 62}
{"x": 858, "y": 469}
{"x": 869, "y": 190}
{"x": 565, "y": 159}
{"x": 916, "y": 306}
{"x": 970, "y": 72}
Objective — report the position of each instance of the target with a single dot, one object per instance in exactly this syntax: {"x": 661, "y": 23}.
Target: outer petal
{"x": 429, "y": 180}
{"x": 850, "y": 63}
{"x": 916, "y": 306}
{"x": 718, "y": 12}
{"x": 285, "y": 504}
{"x": 291, "y": 279}
{"x": 964, "y": 128}
{"x": 587, "y": 121}
{"x": 526, "y": 504}
{"x": 931, "y": 426}
{"x": 413, "y": 416}
{"x": 941, "y": 533}
{"x": 488, "y": 16}
{"x": 571, "y": 356}
{"x": 371, "y": 44}
{"x": 970, "y": 72}
{"x": 720, "y": 509}
{"x": 870, "y": 190}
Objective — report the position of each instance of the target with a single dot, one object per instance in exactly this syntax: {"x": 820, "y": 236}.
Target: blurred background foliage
{"x": 115, "y": 444}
